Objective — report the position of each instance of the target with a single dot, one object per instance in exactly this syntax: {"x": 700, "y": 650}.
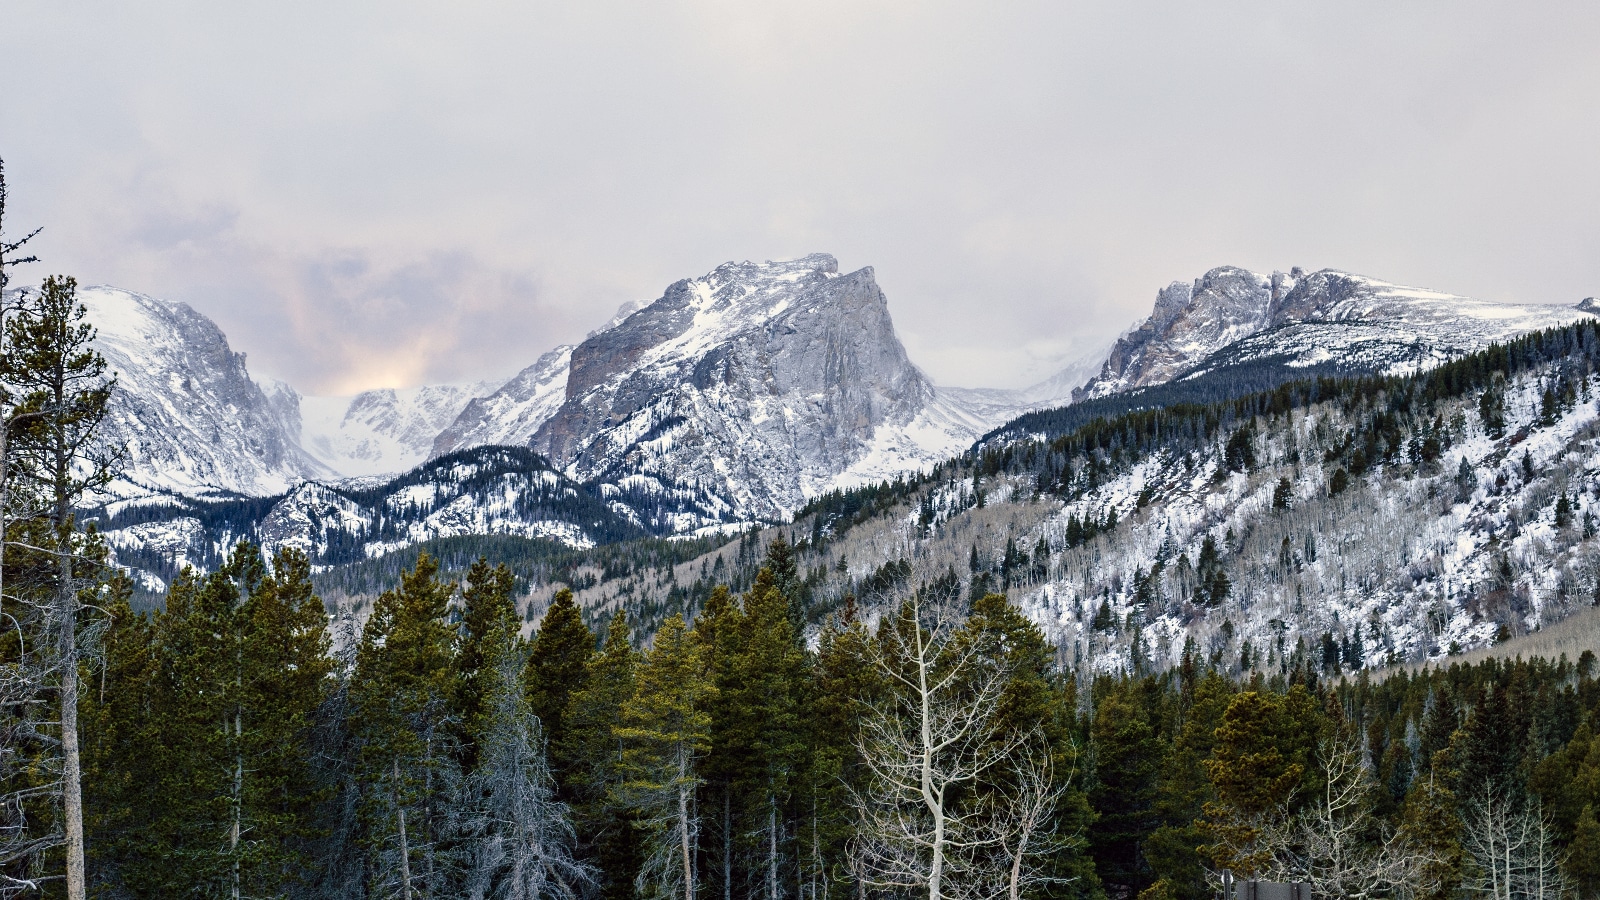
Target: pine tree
{"x": 606, "y": 834}
{"x": 664, "y": 732}
{"x": 286, "y": 669}
{"x": 1260, "y": 759}
{"x": 488, "y": 619}
{"x": 758, "y": 726}
{"x": 1430, "y": 828}
{"x": 121, "y": 727}
{"x": 61, "y": 394}
{"x": 1184, "y": 788}
{"x": 400, "y": 696}
{"x": 1038, "y": 700}
{"x": 517, "y": 838}
{"x": 847, "y": 685}
{"x": 557, "y": 671}
{"x": 193, "y": 800}
{"x": 1127, "y": 756}
{"x": 786, "y": 578}
{"x": 719, "y": 630}
{"x": 1583, "y": 854}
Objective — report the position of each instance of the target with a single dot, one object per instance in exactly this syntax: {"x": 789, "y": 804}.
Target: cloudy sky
{"x": 387, "y": 194}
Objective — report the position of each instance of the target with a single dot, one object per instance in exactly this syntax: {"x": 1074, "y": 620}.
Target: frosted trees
{"x": 518, "y": 836}
{"x": 939, "y": 814}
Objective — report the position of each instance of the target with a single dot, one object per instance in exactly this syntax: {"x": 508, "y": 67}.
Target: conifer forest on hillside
{"x": 991, "y": 698}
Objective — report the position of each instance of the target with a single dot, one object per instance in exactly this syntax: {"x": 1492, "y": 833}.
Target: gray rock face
{"x": 1189, "y": 323}
{"x": 738, "y": 394}
{"x": 185, "y": 409}
{"x": 1298, "y": 319}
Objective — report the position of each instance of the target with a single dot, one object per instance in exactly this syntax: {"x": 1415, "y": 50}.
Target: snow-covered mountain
{"x": 185, "y": 408}
{"x": 383, "y": 431}
{"x": 1230, "y": 316}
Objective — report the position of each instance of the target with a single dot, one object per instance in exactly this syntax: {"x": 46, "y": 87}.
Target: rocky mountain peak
{"x": 1189, "y": 321}
{"x": 1304, "y": 319}
{"x": 744, "y": 390}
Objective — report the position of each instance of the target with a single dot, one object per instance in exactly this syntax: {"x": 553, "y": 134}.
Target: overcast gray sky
{"x": 385, "y": 194}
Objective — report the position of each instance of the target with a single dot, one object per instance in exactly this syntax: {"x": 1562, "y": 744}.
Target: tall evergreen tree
{"x": 400, "y": 695}
{"x": 1184, "y": 788}
{"x": 606, "y": 834}
{"x": 61, "y": 391}
{"x": 664, "y": 732}
{"x": 1127, "y": 762}
{"x": 516, "y": 837}
{"x": 488, "y": 621}
{"x": 758, "y": 699}
{"x": 286, "y": 671}
{"x": 557, "y": 670}
{"x": 847, "y": 685}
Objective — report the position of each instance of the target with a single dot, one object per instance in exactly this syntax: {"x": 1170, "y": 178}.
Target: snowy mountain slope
{"x": 1407, "y": 562}
{"x": 482, "y": 491}
{"x": 512, "y": 414}
{"x": 185, "y": 408}
{"x": 1394, "y": 524}
{"x": 946, "y": 426}
{"x": 386, "y": 430}
{"x": 1230, "y": 316}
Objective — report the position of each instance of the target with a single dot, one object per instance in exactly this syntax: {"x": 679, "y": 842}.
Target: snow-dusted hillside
{"x": 1391, "y": 523}
{"x": 185, "y": 409}
{"x": 383, "y": 431}
{"x": 483, "y": 491}
{"x": 1230, "y": 316}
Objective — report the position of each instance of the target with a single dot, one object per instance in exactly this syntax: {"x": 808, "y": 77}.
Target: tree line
{"x": 236, "y": 746}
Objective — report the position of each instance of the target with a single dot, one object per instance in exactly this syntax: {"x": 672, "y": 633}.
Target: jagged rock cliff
{"x": 737, "y": 394}
{"x": 185, "y": 409}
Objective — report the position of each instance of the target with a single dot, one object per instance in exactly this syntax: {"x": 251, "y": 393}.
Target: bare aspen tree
{"x": 922, "y": 825}
{"x": 1512, "y": 847}
{"x": 1024, "y": 829}
{"x": 1330, "y": 843}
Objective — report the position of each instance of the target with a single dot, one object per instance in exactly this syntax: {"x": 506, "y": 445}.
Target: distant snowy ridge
{"x": 386, "y": 430}
{"x": 739, "y": 395}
